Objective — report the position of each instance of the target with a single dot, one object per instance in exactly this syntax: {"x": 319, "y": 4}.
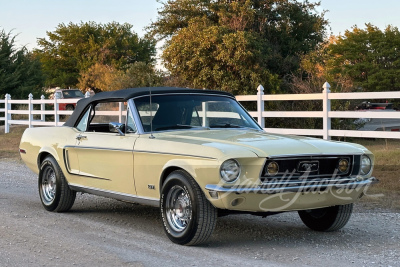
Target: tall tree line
{"x": 231, "y": 45}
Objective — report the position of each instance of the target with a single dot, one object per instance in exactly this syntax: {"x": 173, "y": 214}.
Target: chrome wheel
{"x": 178, "y": 208}
{"x": 188, "y": 217}
{"x": 49, "y": 186}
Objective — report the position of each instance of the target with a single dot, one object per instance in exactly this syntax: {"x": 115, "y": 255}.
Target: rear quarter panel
{"x": 49, "y": 140}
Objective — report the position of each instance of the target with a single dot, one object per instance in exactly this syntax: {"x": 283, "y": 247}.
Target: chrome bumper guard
{"x": 295, "y": 186}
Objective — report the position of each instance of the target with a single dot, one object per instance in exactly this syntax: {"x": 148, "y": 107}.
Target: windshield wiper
{"x": 225, "y": 125}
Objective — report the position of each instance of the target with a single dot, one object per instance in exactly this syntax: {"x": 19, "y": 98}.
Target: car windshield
{"x": 192, "y": 111}
{"x": 72, "y": 94}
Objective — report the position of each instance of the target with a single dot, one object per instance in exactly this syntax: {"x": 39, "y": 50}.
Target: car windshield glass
{"x": 72, "y": 94}
{"x": 177, "y": 112}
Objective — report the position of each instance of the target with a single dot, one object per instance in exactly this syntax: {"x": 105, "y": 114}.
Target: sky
{"x": 30, "y": 19}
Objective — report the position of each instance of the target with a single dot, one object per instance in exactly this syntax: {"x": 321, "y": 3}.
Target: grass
{"x": 387, "y": 163}
{"x": 9, "y": 143}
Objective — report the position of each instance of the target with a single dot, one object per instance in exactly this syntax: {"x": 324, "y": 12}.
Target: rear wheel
{"x": 188, "y": 217}
{"x": 54, "y": 191}
{"x": 327, "y": 219}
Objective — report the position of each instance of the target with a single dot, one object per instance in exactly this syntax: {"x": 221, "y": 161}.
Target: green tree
{"x": 139, "y": 74}
{"x": 236, "y": 44}
{"x": 20, "y": 72}
{"x": 99, "y": 78}
{"x": 366, "y": 59}
{"x": 74, "y": 48}
{"x": 106, "y": 78}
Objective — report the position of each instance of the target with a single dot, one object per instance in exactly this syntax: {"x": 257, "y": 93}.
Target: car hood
{"x": 261, "y": 143}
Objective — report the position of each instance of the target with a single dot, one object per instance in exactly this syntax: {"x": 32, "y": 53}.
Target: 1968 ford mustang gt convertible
{"x": 197, "y": 155}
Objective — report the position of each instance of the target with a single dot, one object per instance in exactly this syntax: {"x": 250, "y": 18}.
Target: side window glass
{"x": 107, "y": 112}
{"x": 130, "y": 125}
{"x": 82, "y": 125}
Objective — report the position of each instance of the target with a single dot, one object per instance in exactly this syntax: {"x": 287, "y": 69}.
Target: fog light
{"x": 272, "y": 168}
{"x": 343, "y": 165}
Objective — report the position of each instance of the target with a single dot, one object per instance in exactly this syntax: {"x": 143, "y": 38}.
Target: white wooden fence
{"x": 31, "y": 111}
{"x": 326, "y": 114}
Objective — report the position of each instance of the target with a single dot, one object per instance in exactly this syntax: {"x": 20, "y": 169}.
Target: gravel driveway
{"x": 104, "y": 232}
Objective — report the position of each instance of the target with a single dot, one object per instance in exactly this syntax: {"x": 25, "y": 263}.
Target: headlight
{"x": 272, "y": 168}
{"x": 230, "y": 170}
{"x": 366, "y": 165}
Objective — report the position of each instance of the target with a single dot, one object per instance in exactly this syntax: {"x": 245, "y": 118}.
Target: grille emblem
{"x": 308, "y": 166}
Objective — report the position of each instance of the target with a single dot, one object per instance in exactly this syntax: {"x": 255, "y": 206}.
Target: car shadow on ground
{"x": 282, "y": 230}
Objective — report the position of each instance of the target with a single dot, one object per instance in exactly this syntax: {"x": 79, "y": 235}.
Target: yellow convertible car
{"x": 197, "y": 155}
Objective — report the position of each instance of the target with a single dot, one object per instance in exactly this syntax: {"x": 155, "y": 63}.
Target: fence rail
{"x": 8, "y": 112}
{"x": 326, "y": 114}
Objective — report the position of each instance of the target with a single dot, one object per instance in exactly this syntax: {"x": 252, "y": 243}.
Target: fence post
{"x": 326, "y": 104}
{"x": 30, "y": 108}
{"x": 120, "y": 109}
{"x": 260, "y": 106}
{"x": 7, "y": 117}
{"x": 56, "y": 107}
{"x": 42, "y": 108}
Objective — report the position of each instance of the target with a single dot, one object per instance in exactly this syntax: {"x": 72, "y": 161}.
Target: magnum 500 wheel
{"x": 188, "y": 217}
{"x": 54, "y": 191}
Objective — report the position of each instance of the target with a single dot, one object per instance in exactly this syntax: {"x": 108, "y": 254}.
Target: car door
{"x": 103, "y": 160}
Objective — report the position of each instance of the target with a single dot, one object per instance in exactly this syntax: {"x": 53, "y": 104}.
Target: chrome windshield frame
{"x": 140, "y": 128}
{"x": 135, "y": 115}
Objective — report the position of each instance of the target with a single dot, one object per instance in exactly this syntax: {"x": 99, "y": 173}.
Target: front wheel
{"x": 327, "y": 219}
{"x": 188, "y": 217}
{"x": 54, "y": 191}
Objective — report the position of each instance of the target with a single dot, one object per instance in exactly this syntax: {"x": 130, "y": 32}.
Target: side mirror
{"x": 116, "y": 127}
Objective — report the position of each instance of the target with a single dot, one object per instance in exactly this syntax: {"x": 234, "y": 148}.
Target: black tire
{"x": 327, "y": 219}
{"x": 188, "y": 217}
{"x": 54, "y": 191}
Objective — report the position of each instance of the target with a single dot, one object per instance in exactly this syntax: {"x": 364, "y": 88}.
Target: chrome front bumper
{"x": 295, "y": 186}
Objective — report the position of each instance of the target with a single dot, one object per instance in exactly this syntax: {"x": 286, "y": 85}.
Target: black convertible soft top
{"x": 125, "y": 94}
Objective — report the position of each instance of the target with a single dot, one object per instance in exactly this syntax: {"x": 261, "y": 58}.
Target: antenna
{"x": 151, "y": 118}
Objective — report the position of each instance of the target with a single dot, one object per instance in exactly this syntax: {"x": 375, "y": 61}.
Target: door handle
{"x": 80, "y": 137}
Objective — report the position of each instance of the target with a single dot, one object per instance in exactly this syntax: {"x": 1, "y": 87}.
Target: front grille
{"x": 311, "y": 167}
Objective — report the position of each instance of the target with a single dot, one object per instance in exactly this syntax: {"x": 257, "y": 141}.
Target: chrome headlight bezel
{"x": 365, "y": 165}
{"x": 230, "y": 171}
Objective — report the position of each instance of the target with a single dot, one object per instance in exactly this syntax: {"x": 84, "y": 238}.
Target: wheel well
{"x": 41, "y": 157}
{"x": 167, "y": 172}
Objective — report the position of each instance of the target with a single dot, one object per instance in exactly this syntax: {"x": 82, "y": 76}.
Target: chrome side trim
{"x": 174, "y": 154}
{"x": 100, "y": 148}
{"x": 67, "y": 160}
{"x": 140, "y": 151}
{"x": 82, "y": 174}
{"x": 116, "y": 195}
{"x": 275, "y": 188}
